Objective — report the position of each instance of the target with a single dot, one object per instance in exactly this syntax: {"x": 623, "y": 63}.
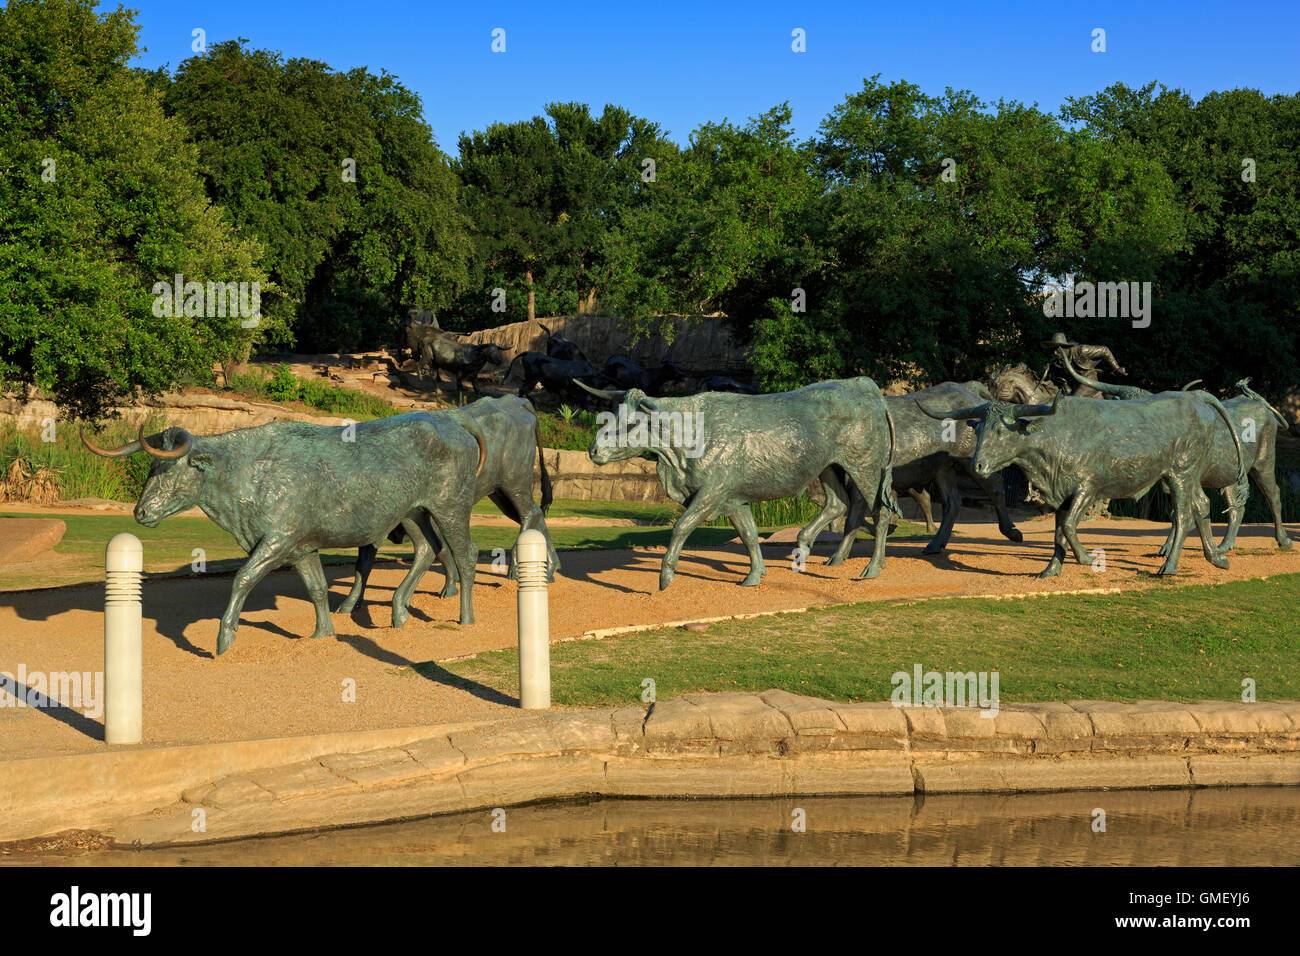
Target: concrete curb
{"x": 724, "y": 745}
{"x": 41, "y": 795}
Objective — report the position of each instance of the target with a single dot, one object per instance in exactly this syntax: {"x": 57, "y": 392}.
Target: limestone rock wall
{"x": 198, "y": 412}
{"x": 704, "y": 345}
{"x": 573, "y": 475}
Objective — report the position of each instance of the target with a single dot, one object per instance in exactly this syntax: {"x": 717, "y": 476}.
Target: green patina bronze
{"x": 1253, "y": 416}
{"x": 286, "y": 490}
{"x": 1078, "y": 451}
{"x": 513, "y": 441}
{"x": 758, "y": 448}
{"x": 925, "y": 452}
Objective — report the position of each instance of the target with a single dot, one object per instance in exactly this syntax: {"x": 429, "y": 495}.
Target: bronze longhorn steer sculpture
{"x": 926, "y": 452}
{"x": 1254, "y": 431}
{"x": 437, "y": 351}
{"x": 286, "y": 490}
{"x": 513, "y": 441}
{"x": 558, "y": 376}
{"x": 558, "y": 347}
{"x": 1079, "y": 450}
{"x": 745, "y": 448}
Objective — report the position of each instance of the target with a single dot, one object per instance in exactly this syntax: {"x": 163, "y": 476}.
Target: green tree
{"x": 1228, "y": 296}
{"x": 341, "y": 180}
{"x": 100, "y": 198}
{"x": 724, "y": 226}
{"x": 937, "y": 221}
{"x": 547, "y": 198}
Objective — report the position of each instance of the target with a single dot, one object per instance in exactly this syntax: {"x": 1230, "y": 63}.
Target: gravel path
{"x": 274, "y": 682}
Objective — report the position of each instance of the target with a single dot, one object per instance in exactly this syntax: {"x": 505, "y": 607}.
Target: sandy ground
{"x": 276, "y": 682}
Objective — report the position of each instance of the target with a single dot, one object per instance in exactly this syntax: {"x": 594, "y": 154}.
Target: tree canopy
{"x": 912, "y": 237}
{"x": 100, "y": 198}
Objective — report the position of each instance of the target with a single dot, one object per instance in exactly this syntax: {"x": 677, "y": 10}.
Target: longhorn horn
{"x": 608, "y": 395}
{"x": 1195, "y": 381}
{"x": 180, "y": 452}
{"x": 1033, "y": 411}
{"x": 972, "y": 411}
{"x": 130, "y": 448}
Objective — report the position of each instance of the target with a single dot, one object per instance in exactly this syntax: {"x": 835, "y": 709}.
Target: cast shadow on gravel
{"x": 88, "y": 726}
{"x": 430, "y": 670}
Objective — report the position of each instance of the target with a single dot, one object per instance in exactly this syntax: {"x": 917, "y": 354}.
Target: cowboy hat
{"x": 1058, "y": 340}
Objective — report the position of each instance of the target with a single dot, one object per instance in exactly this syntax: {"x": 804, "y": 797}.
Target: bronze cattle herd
{"x": 287, "y": 490}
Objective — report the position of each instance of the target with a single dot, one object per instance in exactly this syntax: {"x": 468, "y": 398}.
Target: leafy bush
{"x": 575, "y": 432}
{"x": 284, "y": 385}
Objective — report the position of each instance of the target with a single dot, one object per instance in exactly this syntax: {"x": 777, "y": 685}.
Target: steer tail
{"x": 472, "y": 428}
{"x": 1244, "y": 387}
{"x": 541, "y": 459}
{"x": 1242, "y": 487}
{"x": 886, "y": 491}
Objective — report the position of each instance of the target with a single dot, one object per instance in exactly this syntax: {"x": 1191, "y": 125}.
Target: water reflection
{"x": 1239, "y": 827}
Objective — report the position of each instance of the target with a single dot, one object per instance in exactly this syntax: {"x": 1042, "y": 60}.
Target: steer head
{"x": 623, "y": 433}
{"x": 1000, "y": 429}
{"x": 176, "y": 479}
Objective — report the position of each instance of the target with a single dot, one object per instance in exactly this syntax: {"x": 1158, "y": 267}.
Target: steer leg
{"x": 856, "y": 518}
{"x": 313, "y": 576}
{"x": 1180, "y": 493}
{"x": 459, "y": 547}
{"x": 835, "y": 507}
{"x": 1080, "y": 506}
{"x": 1236, "y": 511}
{"x": 1058, "y": 547}
{"x": 874, "y": 486}
{"x": 883, "y": 513}
{"x": 696, "y": 513}
{"x": 1267, "y": 484}
{"x": 742, "y": 519}
{"x": 269, "y": 554}
{"x": 423, "y": 539}
{"x": 947, "y": 483}
{"x": 365, "y": 562}
{"x": 1169, "y": 538}
{"x": 922, "y": 498}
{"x": 1200, "y": 508}
{"x": 1264, "y": 475}
{"x": 449, "y": 571}
{"x": 997, "y": 494}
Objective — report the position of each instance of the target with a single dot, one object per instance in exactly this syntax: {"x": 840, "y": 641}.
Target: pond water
{"x": 1238, "y": 827}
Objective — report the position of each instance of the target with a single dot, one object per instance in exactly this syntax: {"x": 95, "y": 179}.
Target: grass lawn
{"x": 1194, "y": 642}
{"x": 169, "y": 548}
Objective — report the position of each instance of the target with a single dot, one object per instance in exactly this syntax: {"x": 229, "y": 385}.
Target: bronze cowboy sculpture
{"x": 1086, "y": 358}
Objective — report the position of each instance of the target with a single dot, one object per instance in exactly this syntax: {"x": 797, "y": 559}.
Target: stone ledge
{"x": 745, "y": 745}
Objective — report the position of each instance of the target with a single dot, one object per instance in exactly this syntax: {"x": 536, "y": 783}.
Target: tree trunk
{"x": 532, "y": 296}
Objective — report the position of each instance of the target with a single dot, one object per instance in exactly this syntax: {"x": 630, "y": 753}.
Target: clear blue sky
{"x": 680, "y": 64}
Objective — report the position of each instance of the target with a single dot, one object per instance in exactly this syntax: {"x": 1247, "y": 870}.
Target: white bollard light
{"x": 534, "y": 623}
{"x": 123, "y": 663}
